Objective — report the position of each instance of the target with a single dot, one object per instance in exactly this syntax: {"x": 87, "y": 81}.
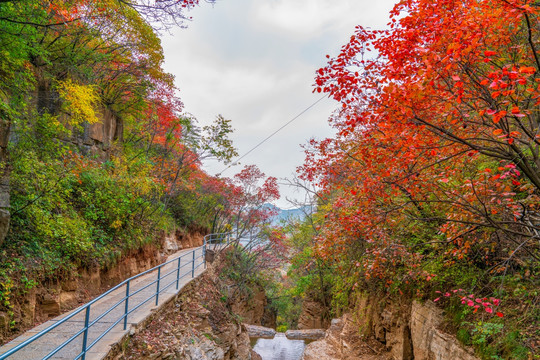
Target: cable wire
{"x": 234, "y": 163}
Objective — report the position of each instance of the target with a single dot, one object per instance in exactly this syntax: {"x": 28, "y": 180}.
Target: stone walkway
{"x": 41, "y": 347}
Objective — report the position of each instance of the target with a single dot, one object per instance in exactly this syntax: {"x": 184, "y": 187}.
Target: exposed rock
{"x": 342, "y": 342}
{"x": 52, "y": 298}
{"x": 105, "y": 130}
{"x": 4, "y": 319}
{"x": 71, "y": 284}
{"x": 387, "y": 322}
{"x": 5, "y": 217}
{"x": 309, "y": 334}
{"x": 406, "y": 330}
{"x": 203, "y": 349}
{"x": 68, "y": 300}
{"x": 50, "y": 306}
{"x": 252, "y": 308}
{"x": 255, "y": 356}
{"x": 318, "y": 350}
{"x": 189, "y": 240}
{"x": 260, "y": 331}
{"x": 428, "y": 341}
{"x": 269, "y": 318}
{"x": 170, "y": 245}
{"x": 312, "y": 315}
{"x": 243, "y": 347}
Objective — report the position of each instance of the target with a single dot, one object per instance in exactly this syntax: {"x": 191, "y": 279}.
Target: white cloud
{"x": 312, "y": 18}
{"x": 254, "y": 62}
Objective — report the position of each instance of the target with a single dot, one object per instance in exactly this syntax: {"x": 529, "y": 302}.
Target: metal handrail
{"x": 211, "y": 239}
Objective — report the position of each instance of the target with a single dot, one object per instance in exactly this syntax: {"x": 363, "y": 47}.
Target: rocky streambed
{"x": 271, "y": 345}
{"x": 279, "y": 348}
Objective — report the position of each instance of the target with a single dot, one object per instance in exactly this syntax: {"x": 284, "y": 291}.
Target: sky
{"x": 254, "y": 62}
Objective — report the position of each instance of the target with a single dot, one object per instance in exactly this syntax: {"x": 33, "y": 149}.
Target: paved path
{"x": 44, "y": 345}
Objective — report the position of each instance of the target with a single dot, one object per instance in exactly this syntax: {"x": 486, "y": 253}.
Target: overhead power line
{"x": 271, "y": 135}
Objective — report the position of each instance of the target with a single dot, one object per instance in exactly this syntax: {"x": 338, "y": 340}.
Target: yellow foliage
{"x": 116, "y": 224}
{"x": 79, "y": 102}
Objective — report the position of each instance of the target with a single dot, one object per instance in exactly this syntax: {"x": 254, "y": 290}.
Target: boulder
{"x": 170, "y": 245}
{"x": 260, "y": 331}
{"x": 319, "y": 350}
{"x": 255, "y": 356}
{"x": 310, "y": 334}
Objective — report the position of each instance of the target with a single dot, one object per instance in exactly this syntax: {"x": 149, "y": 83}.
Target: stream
{"x": 278, "y": 348}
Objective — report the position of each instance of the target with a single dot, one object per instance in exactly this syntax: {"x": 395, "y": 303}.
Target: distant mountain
{"x": 289, "y": 214}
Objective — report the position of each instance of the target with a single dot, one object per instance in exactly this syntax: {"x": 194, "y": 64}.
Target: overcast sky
{"x": 254, "y": 62}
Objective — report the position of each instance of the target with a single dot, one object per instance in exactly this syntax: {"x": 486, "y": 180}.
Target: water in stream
{"x": 279, "y": 348}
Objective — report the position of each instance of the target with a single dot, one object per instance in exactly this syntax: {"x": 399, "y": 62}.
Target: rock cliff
{"x": 342, "y": 342}
{"x": 379, "y": 329}
{"x": 313, "y": 315}
{"x": 254, "y": 309}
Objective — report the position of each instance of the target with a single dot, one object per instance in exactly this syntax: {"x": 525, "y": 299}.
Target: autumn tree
{"x": 435, "y": 165}
{"x": 108, "y": 48}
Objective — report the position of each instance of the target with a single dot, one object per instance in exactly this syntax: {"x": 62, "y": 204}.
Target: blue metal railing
{"x": 212, "y": 241}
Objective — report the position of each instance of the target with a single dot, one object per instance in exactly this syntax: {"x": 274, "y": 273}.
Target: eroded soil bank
{"x": 57, "y": 296}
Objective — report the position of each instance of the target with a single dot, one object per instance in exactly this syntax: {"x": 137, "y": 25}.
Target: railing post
{"x": 204, "y": 253}
{"x": 85, "y": 335}
{"x": 126, "y": 307}
{"x": 157, "y": 287}
{"x": 193, "y": 265}
{"x": 178, "y": 274}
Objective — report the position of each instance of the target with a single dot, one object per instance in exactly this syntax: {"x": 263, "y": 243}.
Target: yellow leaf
{"x": 78, "y": 102}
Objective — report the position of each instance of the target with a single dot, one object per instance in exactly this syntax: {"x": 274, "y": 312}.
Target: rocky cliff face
{"x": 254, "y": 309}
{"x": 178, "y": 240}
{"x": 400, "y": 331}
{"x": 312, "y": 315}
{"x": 343, "y": 342}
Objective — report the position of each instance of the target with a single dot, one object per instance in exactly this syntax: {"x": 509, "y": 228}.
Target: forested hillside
{"x": 97, "y": 158}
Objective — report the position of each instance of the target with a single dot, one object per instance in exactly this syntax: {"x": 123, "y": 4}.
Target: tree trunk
{"x": 5, "y": 171}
